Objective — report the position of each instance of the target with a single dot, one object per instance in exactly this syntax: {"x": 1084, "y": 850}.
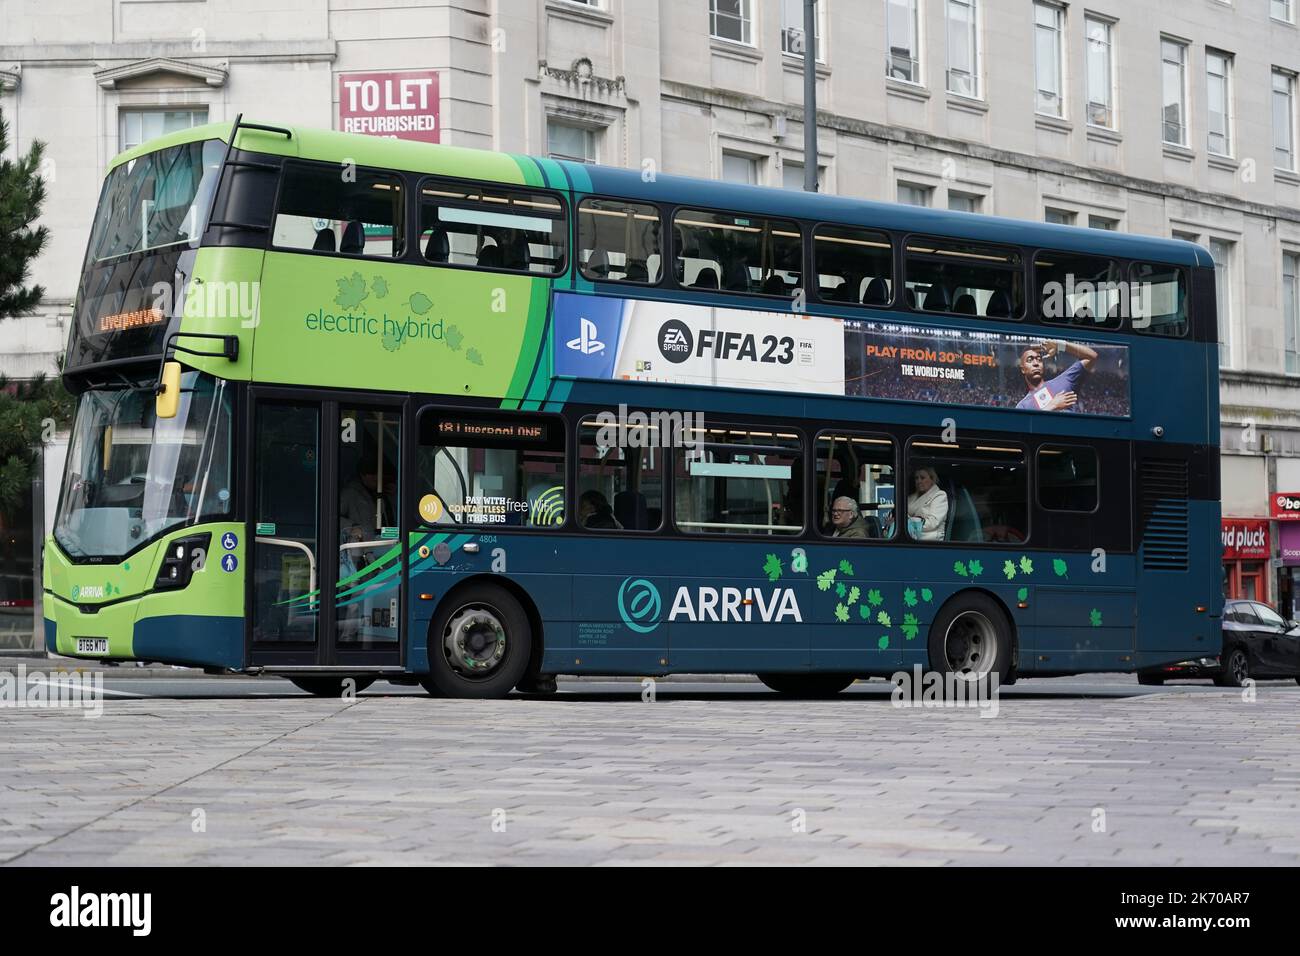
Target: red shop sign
{"x": 1285, "y": 506}
{"x": 1245, "y": 539}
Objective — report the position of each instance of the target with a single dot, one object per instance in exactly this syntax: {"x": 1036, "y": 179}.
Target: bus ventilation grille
{"x": 1162, "y": 498}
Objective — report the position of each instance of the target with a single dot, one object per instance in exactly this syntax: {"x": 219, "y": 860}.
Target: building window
{"x": 904, "y": 32}
{"x": 1049, "y": 66}
{"x": 1173, "y": 56}
{"x": 1284, "y": 120}
{"x": 1291, "y": 309}
{"x": 963, "y": 202}
{"x": 140, "y": 126}
{"x": 739, "y": 168}
{"x": 1282, "y": 10}
{"x": 1221, "y": 251}
{"x": 792, "y": 38}
{"x": 1060, "y": 217}
{"x": 1101, "y": 73}
{"x": 1218, "y": 91}
{"x": 736, "y": 481}
{"x": 731, "y": 20}
{"x": 1101, "y": 222}
{"x": 910, "y": 195}
{"x": 963, "y": 48}
{"x": 567, "y": 141}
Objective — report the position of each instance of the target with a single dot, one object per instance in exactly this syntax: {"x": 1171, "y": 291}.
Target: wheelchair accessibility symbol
{"x": 229, "y": 562}
{"x": 229, "y": 541}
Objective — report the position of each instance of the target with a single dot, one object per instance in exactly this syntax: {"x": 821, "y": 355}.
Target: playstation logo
{"x": 586, "y": 342}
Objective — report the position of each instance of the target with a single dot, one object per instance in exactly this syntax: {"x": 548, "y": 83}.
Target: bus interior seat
{"x": 653, "y": 517}
{"x": 489, "y": 257}
{"x": 636, "y": 271}
{"x": 999, "y": 306}
{"x": 910, "y": 297}
{"x": 877, "y": 292}
{"x": 873, "y": 526}
{"x": 735, "y": 276}
{"x": 324, "y": 240}
{"x": 515, "y": 253}
{"x": 354, "y": 238}
{"x": 706, "y": 278}
{"x": 438, "y": 246}
{"x": 963, "y": 522}
{"x": 774, "y": 285}
{"x": 937, "y": 299}
{"x": 598, "y": 264}
{"x": 965, "y": 305}
{"x": 630, "y": 510}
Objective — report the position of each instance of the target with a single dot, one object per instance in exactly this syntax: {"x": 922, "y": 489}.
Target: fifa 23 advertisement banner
{"x": 605, "y": 338}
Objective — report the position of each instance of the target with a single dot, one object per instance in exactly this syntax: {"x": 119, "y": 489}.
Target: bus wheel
{"x": 971, "y": 637}
{"x": 330, "y": 686}
{"x": 807, "y": 685}
{"x": 479, "y": 645}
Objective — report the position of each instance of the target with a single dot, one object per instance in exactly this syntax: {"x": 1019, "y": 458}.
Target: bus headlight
{"x": 182, "y": 557}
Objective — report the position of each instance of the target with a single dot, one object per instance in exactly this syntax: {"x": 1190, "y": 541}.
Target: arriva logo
{"x": 586, "y": 342}
{"x": 87, "y": 591}
{"x": 639, "y": 605}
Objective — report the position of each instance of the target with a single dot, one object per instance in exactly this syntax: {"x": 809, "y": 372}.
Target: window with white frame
{"x": 571, "y": 141}
{"x": 1059, "y": 217}
{"x": 1173, "y": 72}
{"x": 140, "y": 126}
{"x": 792, "y": 172}
{"x": 1283, "y": 10}
{"x": 739, "y": 168}
{"x": 1049, "y": 59}
{"x": 963, "y": 47}
{"x": 913, "y": 195}
{"x": 1103, "y": 223}
{"x": 1284, "y": 120}
{"x": 1218, "y": 95}
{"x": 964, "y": 202}
{"x": 1221, "y": 251}
{"x": 1101, "y": 72}
{"x": 732, "y": 20}
{"x": 1291, "y": 309}
{"x": 792, "y": 38}
{"x": 903, "y": 30}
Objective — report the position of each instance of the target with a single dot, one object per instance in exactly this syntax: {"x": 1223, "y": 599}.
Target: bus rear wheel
{"x": 330, "y": 686}
{"x": 479, "y": 645}
{"x": 971, "y": 638}
{"x": 807, "y": 685}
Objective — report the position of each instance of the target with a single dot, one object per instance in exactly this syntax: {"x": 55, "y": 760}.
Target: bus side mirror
{"x": 168, "y": 400}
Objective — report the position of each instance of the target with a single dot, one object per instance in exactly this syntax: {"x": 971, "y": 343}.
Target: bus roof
{"x": 333, "y": 146}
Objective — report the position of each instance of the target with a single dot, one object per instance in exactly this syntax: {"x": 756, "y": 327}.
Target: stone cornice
{"x": 581, "y": 75}
{"x": 111, "y": 76}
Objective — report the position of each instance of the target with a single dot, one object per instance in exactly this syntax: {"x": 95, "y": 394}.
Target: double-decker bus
{"x": 353, "y": 408}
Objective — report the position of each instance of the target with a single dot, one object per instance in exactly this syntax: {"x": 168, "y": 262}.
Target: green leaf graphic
{"x": 960, "y": 568}
{"x": 975, "y": 566}
{"x": 841, "y": 590}
{"x": 393, "y": 339}
{"x": 1009, "y": 569}
{"x": 846, "y": 568}
{"x": 854, "y": 593}
{"x": 883, "y": 619}
{"x": 455, "y": 338}
{"x": 883, "y": 643}
{"x": 420, "y": 303}
{"x": 909, "y": 597}
{"x": 379, "y": 286}
{"x": 864, "y": 612}
{"x": 874, "y": 598}
{"x": 841, "y": 613}
{"x": 1058, "y": 566}
{"x": 910, "y": 626}
{"x": 352, "y": 291}
{"x": 1026, "y": 565}
{"x": 474, "y": 357}
{"x": 825, "y": 580}
{"x": 927, "y": 595}
{"x": 1022, "y": 594}
{"x": 1094, "y": 617}
{"x": 772, "y": 567}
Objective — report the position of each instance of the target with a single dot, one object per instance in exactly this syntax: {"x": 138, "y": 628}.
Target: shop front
{"x": 1246, "y": 553}
{"x": 1285, "y": 510}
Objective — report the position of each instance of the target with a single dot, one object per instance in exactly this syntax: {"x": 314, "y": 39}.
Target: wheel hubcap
{"x": 1239, "y": 665}
{"x": 474, "y": 642}
{"x": 971, "y": 645}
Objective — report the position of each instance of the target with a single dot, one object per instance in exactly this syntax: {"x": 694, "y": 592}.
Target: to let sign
{"x": 396, "y": 105}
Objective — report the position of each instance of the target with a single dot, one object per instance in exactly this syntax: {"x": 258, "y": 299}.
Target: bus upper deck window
{"x": 964, "y": 278}
{"x": 853, "y": 266}
{"x": 1159, "y": 296}
{"x": 730, "y": 253}
{"x": 486, "y": 227}
{"x": 321, "y": 212}
{"x": 620, "y": 241}
{"x": 1073, "y": 289}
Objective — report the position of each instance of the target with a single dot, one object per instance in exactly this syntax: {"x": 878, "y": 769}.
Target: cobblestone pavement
{"x": 1175, "y": 777}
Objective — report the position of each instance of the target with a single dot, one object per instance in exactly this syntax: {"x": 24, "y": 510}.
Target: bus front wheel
{"x": 807, "y": 685}
{"x": 479, "y": 645}
{"x": 971, "y": 637}
{"x": 331, "y": 686}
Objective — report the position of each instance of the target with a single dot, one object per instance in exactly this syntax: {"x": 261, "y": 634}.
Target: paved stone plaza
{"x": 1187, "y": 776}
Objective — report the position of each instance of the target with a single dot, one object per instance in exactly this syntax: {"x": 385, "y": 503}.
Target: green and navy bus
{"x": 352, "y": 408}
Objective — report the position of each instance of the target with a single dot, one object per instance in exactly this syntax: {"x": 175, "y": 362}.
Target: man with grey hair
{"x": 846, "y": 519}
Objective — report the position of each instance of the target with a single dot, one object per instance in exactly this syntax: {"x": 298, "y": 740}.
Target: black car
{"x": 1257, "y": 643}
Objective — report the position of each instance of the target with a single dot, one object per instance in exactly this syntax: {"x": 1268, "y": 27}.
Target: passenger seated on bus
{"x": 846, "y": 520}
{"x": 927, "y": 506}
{"x": 324, "y": 240}
{"x": 877, "y": 292}
{"x": 354, "y": 238}
{"x": 594, "y": 511}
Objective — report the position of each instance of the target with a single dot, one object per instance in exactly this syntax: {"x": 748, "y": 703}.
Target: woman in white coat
{"x": 927, "y": 506}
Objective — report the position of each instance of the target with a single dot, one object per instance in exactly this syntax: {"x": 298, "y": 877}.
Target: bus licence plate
{"x": 92, "y": 645}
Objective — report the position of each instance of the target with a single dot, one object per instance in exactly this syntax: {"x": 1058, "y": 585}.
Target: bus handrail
{"x": 311, "y": 557}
